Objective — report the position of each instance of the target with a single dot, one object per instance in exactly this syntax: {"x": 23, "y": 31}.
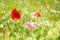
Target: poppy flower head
{"x": 37, "y": 14}
{"x": 15, "y": 14}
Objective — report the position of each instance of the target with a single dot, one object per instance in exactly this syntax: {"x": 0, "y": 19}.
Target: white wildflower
{"x": 32, "y": 15}
{"x": 45, "y": 23}
{"x": 55, "y": 11}
{"x": 1, "y": 25}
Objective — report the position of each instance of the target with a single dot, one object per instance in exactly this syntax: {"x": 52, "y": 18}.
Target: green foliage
{"x": 46, "y": 24}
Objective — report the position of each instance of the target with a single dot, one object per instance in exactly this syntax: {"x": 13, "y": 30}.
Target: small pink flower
{"x": 31, "y": 25}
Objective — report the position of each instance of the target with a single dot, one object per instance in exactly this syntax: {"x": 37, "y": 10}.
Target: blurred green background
{"x": 48, "y": 25}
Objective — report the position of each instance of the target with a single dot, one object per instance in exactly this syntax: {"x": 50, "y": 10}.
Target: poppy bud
{"x": 6, "y": 31}
{"x": 37, "y": 14}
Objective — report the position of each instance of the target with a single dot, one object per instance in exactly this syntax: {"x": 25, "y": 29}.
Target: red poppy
{"x": 15, "y": 14}
{"x": 37, "y": 14}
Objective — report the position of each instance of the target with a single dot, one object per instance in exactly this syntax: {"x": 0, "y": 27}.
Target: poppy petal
{"x": 15, "y": 14}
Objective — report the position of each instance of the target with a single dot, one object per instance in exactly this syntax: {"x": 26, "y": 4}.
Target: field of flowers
{"x": 29, "y": 19}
